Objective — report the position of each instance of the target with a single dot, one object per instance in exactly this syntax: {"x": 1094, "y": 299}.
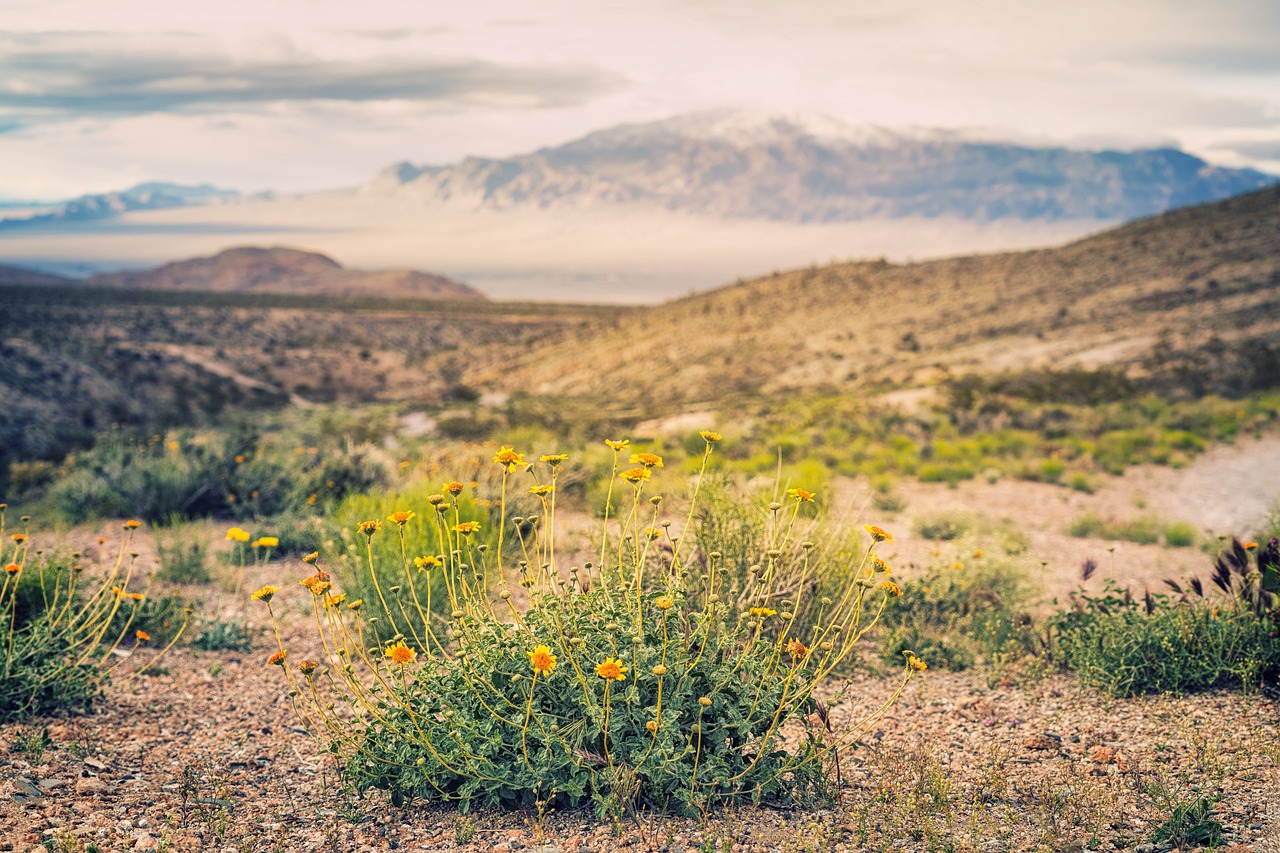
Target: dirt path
{"x": 1227, "y": 490}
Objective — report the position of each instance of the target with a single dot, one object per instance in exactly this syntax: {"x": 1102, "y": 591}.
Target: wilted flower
{"x": 368, "y": 528}
{"x": 891, "y": 588}
{"x": 796, "y": 649}
{"x": 306, "y": 667}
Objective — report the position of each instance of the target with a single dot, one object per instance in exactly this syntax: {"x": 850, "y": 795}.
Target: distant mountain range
{"x": 250, "y": 269}
{"x": 643, "y": 212}
{"x": 148, "y": 196}
{"x": 741, "y": 165}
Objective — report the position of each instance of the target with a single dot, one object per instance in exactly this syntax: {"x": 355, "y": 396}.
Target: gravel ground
{"x": 207, "y": 756}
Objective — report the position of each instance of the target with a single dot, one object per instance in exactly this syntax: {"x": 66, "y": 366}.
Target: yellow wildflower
{"x": 235, "y": 534}
{"x": 648, "y": 460}
{"x": 278, "y": 658}
{"x": 542, "y": 660}
{"x": 454, "y": 488}
{"x": 616, "y": 446}
{"x": 427, "y": 563}
{"x": 306, "y": 667}
{"x": 664, "y": 602}
{"x": 659, "y": 670}
{"x": 318, "y": 583}
{"x": 19, "y": 538}
{"x": 916, "y": 663}
{"x": 435, "y": 500}
{"x": 635, "y": 475}
{"x": 554, "y": 459}
{"x": 466, "y": 528}
{"x": 892, "y": 588}
{"x": 312, "y": 558}
{"x": 762, "y": 612}
{"x": 402, "y": 517}
{"x": 132, "y": 524}
{"x": 13, "y": 568}
{"x": 796, "y": 649}
{"x": 141, "y": 636}
{"x": 801, "y": 495}
{"x": 355, "y": 605}
{"x": 335, "y": 600}
{"x": 368, "y": 528}
{"x": 880, "y": 565}
{"x": 612, "y": 670}
{"x": 264, "y": 594}
{"x": 542, "y": 490}
{"x": 400, "y": 654}
{"x": 508, "y": 458}
{"x": 268, "y": 541}
{"x": 711, "y": 437}
{"x": 878, "y": 533}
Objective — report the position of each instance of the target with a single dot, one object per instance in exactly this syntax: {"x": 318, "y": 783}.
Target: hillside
{"x": 1174, "y": 281}
{"x": 24, "y": 276}
{"x": 282, "y": 270}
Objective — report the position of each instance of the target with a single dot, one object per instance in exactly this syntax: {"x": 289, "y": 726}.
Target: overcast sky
{"x": 314, "y": 94}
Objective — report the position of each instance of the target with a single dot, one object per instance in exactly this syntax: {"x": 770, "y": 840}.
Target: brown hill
{"x": 1178, "y": 279}
{"x": 251, "y": 269}
{"x": 24, "y": 276}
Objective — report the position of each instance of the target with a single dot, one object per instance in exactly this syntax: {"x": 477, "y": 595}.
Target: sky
{"x": 298, "y": 95}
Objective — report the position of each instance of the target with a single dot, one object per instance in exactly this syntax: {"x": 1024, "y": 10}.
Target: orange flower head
{"x": 132, "y": 524}
{"x": 466, "y": 528}
{"x": 141, "y": 636}
{"x": 891, "y": 588}
{"x": 879, "y": 534}
{"x": 277, "y": 659}
{"x": 801, "y": 495}
{"x": 453, "y": 487}
{"x": 648, "y": 460}
{"x": 402, "y": 517}
{"x": 306, "y": 667}
{"x": 400, "y": 654}
{"x": 20, "y": 538}
{"x": 635, "y": 475}
{"x": 12, "y": 569}
{"x": 368, "y": 528}
{"x": 541, "y": 660}
{"x": 612, "y": 670}
{"x": 796, "y": 649}
{"x": 312, "y": 558}
{"x": 264, "y": 594}
{"x": 916, "y": 664}
{"x": 334, "y": 600}
{"x": 318, "y": 583}
{"x": 508, "y": 458}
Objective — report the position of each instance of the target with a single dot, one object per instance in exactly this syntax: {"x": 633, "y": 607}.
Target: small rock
{"x": 1104, "y": 755}
{"x": 90, "y": 785}
{"x": 1040, "y": 742}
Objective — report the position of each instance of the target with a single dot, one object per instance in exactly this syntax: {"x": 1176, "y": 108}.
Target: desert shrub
{"x": 219, "y": 634}
{"x": 62, "y": 625}
{"x": 962, "y": 612}
{"x": 1198, "y": 638}
{"x": 183, "y": 554}
{"x": 1145, "y": 530}
{"x": 620, "y": 684}
{"x": 1124, "y": 646}
{"x": 812, "y": 557}
{"x": 945, "y": 526}
{"x": 1180, "y": 535}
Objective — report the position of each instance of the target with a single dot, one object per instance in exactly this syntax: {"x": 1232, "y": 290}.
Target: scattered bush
{"x": 625, "y": 683}
{"x": 62, "y": 626}
{"x": 946, "y": 526}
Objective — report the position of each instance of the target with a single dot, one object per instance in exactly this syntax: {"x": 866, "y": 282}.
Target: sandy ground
{"x": 1230, "y": 489}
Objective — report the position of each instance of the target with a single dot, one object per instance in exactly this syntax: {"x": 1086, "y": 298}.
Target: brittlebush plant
{"x": 61, "y": 628}
{"x": 621, "y": 683}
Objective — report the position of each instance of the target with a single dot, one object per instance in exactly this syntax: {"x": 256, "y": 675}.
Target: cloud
{"x": 1253, "y": 149}
{"x": 64, "y": 75}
